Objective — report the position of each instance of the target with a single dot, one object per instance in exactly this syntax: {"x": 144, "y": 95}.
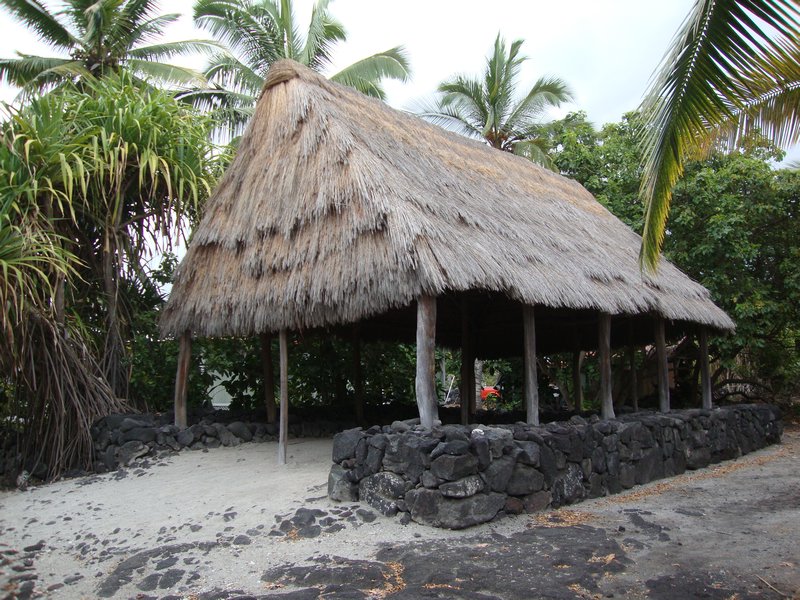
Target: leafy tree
{"x": 98, "y": 37}
{"x": 260, "y": 32}
{"x": 489, "y": 108}
{"x": 606, "y": 162}
{"x": 733, "y": 68}
{"x": 734, "y": 229}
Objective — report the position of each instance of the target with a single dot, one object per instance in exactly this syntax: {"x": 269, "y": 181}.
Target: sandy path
{"x": 201, "y": 524}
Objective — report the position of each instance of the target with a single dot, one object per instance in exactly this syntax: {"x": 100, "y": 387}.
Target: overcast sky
{"x": 606, "y": 50}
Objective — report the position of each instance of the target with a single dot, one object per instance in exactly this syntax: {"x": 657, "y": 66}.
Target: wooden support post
{"x": 467, "y": 387}
{"x": 604, "y": 345}
{"x": 182, "y": 379}
{"x": 283, "y": 433}
{"x": 269, "y": 377}
{"x": 426, "y": 361}
{"x": 577, "y": 380}
{"x": 705, "y": 371}
{"x": 662, "y": 366}
{"x": 358, "y": 377}
{"x": 529, "y": 368}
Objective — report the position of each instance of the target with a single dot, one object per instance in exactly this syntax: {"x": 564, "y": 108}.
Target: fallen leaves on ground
{"x": 561, "y": 518}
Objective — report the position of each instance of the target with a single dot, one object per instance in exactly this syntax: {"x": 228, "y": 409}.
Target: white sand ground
{"x": 91, "y": 526}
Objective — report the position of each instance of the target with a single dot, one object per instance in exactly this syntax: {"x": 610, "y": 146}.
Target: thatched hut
{"x": 339, "y": 210}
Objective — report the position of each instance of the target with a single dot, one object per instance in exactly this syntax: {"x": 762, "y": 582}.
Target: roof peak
{"x": 285, "y": 70}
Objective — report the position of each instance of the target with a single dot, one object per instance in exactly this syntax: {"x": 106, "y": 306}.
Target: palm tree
{"x": 487, "y": 108}
{"x": 733, "y": 67}
{"x": 259, "y": 32}
{"x": 96, "y": 36}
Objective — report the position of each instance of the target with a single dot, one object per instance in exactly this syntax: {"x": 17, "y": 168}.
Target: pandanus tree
{"x": 115, "y": 180}
{"x": 491, "y": 108}
{"x": 94, "y": 37}
{"x": 260, "y": 32}
{"x": 733, "y": 67}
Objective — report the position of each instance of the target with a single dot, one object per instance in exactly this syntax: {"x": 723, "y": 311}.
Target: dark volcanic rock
{"x": 450, "y": 467}
{"x": 454, "y": 447}
{"x": 524, "y": 480}
{"x": 409, "y": 454}
{"x": 241, "y": 431}
{"x": 568, "y": 487}
{"x": 345, "y": 442}
{"x": 185, "y": 437}
{"x": 139, "y": 434}
{"x": 339, "y": 487}
{"x": 130, "y": 451}
{"x": 462, "y": 488}
{"x": 498, "y": 474}
{"x": 429, "y": 507}
{"x": 479, "y": 446}
{"x": 382, "y": 490}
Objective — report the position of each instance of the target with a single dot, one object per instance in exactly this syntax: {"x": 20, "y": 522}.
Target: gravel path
{"x": 229, "y": 523}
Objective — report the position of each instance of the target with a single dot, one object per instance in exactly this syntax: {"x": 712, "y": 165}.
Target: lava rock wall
{"x": 456, "y": 476}
{"x": 120, "y": 439}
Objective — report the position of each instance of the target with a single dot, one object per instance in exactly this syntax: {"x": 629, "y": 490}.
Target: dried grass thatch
{"x": 338, "y": 208}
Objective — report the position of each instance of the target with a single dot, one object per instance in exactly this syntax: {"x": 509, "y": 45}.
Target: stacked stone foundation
{"x": 456, "y": 476}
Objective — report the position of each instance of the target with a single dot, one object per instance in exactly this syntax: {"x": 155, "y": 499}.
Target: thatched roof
{"x": 338, "y": 208}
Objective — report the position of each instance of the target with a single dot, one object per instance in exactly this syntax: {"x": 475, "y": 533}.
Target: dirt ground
{"x": 230, "y": 523}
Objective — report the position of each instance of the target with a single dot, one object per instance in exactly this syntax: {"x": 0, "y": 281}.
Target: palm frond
{"x": 227, "y": 71}
{"x": 366, "y": 74}
{"x": 35, "y": 16}
{"x": 446, "y": 117}
{"x": 323, "y": 33}
{"x": 130, "y": 17}
{"x": 166, "y": 73}
{"x": 535, "y": 150}
{"x": 143, "y": 33}
{"x": 34, "y": 74}
{"x": 692, "y": 95}
{"x": 249, "y": 30}
{"x": 546, "y": 92}
{"x": 172, "y": 49}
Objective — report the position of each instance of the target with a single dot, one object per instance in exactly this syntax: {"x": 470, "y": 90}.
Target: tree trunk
{"x": 529, "y": 359}
{"x": 475, "y": 401}
{"x": 114, "y": 350}
{"x": 283, "y": 432}
{"x": 182, "y": 379}
{"x": 604, "y": 344}
{"x": 426, "y": 361}
{"x": 269, "y": 377}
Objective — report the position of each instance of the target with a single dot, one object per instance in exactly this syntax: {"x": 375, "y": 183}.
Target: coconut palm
{"x": 259, "y": 32}
{"x": 733, "y": 67}
{"x": 489, "y": 108}
{"x": 94, "y": 37}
